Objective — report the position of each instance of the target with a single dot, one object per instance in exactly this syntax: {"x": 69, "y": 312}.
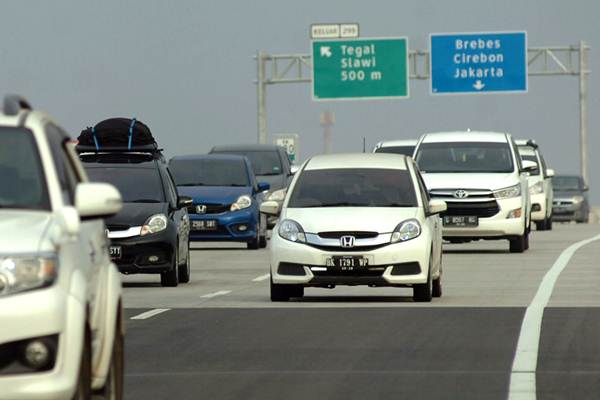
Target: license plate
{"x": 204, "y": 225}
{"x": 347, "y": 263}
{"x": 460, "y": 221}
{"x": 115, "y": 252}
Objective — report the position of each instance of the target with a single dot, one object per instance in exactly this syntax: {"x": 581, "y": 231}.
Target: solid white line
{"x": 215, "y": 294}
{"x": 150, "y": 314}
{"x": 261, "y": 278}
{"x": 522, "y": 378}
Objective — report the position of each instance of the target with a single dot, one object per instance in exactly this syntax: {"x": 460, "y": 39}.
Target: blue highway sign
{"x": 478, "y": 62}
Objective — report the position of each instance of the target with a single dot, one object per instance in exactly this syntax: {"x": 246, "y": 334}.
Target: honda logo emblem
{"x": 347, "y": 241}
{"x": 461, "y": 194}
{"x": 201, "y": 209}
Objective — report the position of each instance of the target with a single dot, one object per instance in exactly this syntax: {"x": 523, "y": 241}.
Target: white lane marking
{"x": 261, "y": 278}
{"x": 215, "y": 294}
{"x": 522, "y": 377}
{"x": 150, "y": 314}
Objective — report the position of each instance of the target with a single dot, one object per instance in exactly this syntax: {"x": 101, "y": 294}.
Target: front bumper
{"x": 228, "y": 226}
{"x": 41, "y": 313}
{"x": 569, "y": 212}
{"x": 381, "y": 264}
{"x": 541, "y": 200}
{"x": 136, "y": 250}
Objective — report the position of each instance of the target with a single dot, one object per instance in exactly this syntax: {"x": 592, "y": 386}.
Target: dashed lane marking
{"x": 261, "y": 278}
{"x": 215, "y": 294}
{"x": 151, "y": 313}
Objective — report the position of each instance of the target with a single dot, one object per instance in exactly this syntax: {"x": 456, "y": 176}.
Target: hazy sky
{"x": 186, "y": 69}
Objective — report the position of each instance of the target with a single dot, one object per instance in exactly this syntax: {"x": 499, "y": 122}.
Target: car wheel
{"x": 171, "y": 278}
{"x": 254, "y": 244}
{"x": 517, "y": 244}
{"x": 113, "y": 387}
{"x": 184, "y": 270}
{"x": 84, "y": 382}
{"x": 541, "y": 225}
{"x": 279, "y": 292}
{"x": 549, "y": 225}
{"x": 527, "y": 240}
{"x": 436, "y": 290}
{"x": 423, "y": 292}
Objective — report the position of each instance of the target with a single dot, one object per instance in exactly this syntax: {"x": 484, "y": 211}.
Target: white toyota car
{"x": 481, "y": 177}
{"x": 356, "y": 219}
{"x": 61, "y": 330}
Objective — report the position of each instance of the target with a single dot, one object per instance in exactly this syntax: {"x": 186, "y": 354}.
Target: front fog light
{"x": 515, "y": 214}
{"x": 37, "y": 354}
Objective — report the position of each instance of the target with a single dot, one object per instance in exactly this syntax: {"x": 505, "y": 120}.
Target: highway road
{"x": 220, "y": 337}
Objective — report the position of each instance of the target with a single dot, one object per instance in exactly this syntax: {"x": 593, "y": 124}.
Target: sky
{"x": 186, "y": 69}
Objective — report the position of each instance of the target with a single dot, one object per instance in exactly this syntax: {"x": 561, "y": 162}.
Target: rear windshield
{"x": 137, "y": 185}
{"x": 465, "y": 157}
{"x": 207, "y": 172}
{"x": 354, "y": 188}
{"x": 263, "y": 162}
{"x": 22, "y": 183}
{"x": 406, "y": 150}
{"x": 566, "y": 183}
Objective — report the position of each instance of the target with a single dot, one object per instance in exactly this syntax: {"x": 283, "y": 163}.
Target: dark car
{"x": 570, "y": 199}
{"x": 226, "y": 198}
{"x": 151, "y": 233}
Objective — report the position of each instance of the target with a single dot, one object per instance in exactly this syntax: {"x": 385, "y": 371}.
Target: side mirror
{"x": 270, "y": 208}
{"x": 550, "y": 172}
{"x": 97, "y": 200}
{"x": 437, "y": 206}
{"x": 262, "y": 186}
{"x": 586, "y": 188}
{"x": 184, "y": 201}
{"x": 529, "y": 166}
{"x": 294, "y": 169}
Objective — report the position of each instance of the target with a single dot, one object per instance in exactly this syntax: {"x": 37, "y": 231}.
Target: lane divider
{"x": 215, "y": 294}
{"x": 261, "y": 278}
{"x": 150, "y": 314}
{"x": 522, "y": 377}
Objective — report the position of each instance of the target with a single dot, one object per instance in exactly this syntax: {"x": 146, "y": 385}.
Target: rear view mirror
{"x": 586, "y": 188}
{"x": 97, "y": 200}
{"x": 184, "y": 201}
{"x": 529, "y": 166}
{"x": 437, "y": 206}
{"x": 270, "y": 208}
{"x": 549, "y": 172}
{"x": 294, "y": 169}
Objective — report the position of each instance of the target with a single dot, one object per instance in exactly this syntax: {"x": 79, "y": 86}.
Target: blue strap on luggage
{"x": 131, "y": 133}
{"x": 95, "y": 139}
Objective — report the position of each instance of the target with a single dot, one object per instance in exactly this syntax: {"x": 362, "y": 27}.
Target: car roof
{"x": 358, "y": 160}
{"x": 230, "y": 157}
{"x": 394, "y": 143}
{"x": 465, "y": 136}
{"x": 246, "y": 147}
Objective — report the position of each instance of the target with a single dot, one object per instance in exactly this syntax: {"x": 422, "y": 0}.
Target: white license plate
{"x": 205, "y": 225}
{"x": 347, "y": 263}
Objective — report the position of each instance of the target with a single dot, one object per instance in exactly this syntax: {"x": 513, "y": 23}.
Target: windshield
{"x": 406, "y": 150}
{"x": 137, "y": 185}
{"x": 465, "y": 157}
{"x": 263, "y": 162}
{"x": 350, "y": 187}
{"x": 566, "y": 183}
{"x": 209, "y": 172}
{"x": 22, "y": 184}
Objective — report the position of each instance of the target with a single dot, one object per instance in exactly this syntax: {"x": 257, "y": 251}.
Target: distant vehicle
{"x": 405, "y": 147}
{"x": 540, "y": 185}
{"x": 271, "y": 164}
{"x": 356, "y": 219}
{"x": 226, "y": 198}
{"x": 481, "y": 177}
{"x": 60, "y": 295}
{"x": 571, "y": 201}
{"x": 151, "y": 233}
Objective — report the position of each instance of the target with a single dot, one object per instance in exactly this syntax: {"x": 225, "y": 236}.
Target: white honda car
{"x": 61, "y": 330}
{"x": 481, "y": 177}
{"x": 356, "y": 219}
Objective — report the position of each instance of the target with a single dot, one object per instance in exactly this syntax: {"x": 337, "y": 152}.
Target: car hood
{"x": 136, "y": 214}
{"x": 214, "y": 194}
{"x": 335, "y": 219}
{"x": 566, "y": 194}
{"x": 24, "y": 231}
{"x": 468, "y": 181}
{"x": 275, "y": 181}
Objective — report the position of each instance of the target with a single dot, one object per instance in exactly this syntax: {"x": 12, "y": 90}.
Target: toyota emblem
{"x": 347, "y": 241}
{"x": 461, "y": 194}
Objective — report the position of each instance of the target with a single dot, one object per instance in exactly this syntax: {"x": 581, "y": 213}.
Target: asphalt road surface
{"x": 220, "y": 337}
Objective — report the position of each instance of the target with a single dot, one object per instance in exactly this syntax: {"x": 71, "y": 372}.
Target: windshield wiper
{"x": 145, "y": 201}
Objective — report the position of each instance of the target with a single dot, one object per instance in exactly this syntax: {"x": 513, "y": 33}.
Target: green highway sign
{"x": 366, "y": 68}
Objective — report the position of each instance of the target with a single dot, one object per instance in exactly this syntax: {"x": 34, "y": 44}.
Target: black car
{"x": 570, "y": 199}
{"x": 151, "y": 233}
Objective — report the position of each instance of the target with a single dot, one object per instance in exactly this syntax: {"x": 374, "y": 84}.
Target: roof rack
{"x": 149, "y": 148}
{"x": 13, "y": 104}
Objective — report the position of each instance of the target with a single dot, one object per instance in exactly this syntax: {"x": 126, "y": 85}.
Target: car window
{"x": 354, "y": 187}
{"x": 422, "y": 187}
{"x": 544, "y": 166}
{"x": 22, "y": 180}
{"x": 459, "y": 157}
{"x": 209, "y": 172}
{"x": 263, "y": 162}
{"x": 137, "y": 185}
{"x": 171, "y": 188}
{"x": 406, "y": 150}
{"x": 566, "y": 183}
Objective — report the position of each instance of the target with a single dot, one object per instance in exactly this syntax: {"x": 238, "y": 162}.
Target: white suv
{"x": 60, "y": 295}
{"x": 484, "y": 183}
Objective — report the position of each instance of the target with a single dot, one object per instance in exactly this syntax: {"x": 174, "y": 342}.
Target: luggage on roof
{"x": 117, "y": 134}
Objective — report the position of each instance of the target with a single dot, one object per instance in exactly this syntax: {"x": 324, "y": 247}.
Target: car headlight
{"x": 278, "y": 195}
{"x": 577, "y": 199}
{"x": 537, "y": 188}
{"x": 292, "y": 231}
{"x": 154, "y": 224}
{"x": 241, "y": 203}
{"x": 406, "y": 230}
{"x": 509, "y": 192}
{"x": 21, "y": 273}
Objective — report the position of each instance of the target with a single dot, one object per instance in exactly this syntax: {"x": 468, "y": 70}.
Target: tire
{"x": 279, "y": 292}
{"x": 84, "y": 381}
{"x": 184, "y": 270}
{"x": 436, "y": 289}
{"x": 549, "y": 226}
{"x": 423, "y": 292}
{"x": 517, "y": 245}
{"x": 113, "y": 387}
{"x": 262, "y": 239}
{"x": 527, "y": 240}
{"x": 171, "y": 278}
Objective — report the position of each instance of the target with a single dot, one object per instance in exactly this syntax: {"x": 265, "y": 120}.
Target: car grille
{"x": 210, "y": 208}
{"x": 356, "y": 234}
{"x": 483, "y": 209}
{"x": 562, "y": 203}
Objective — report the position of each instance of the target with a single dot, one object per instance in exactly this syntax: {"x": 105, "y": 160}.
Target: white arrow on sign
{"x": 325, "y": 51}
{"x": 479, "y": 85}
